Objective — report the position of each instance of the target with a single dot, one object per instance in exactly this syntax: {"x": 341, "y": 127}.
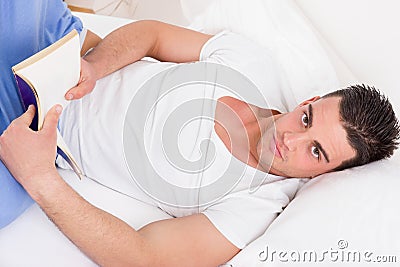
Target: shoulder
{"x": 58, "y": 19}
{"x": 253, "y": 61}
{"x": 232, "y": 44}
{"x": 247, "y": 112}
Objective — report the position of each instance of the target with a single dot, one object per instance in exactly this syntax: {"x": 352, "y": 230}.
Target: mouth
{"x": 275, "y": 148}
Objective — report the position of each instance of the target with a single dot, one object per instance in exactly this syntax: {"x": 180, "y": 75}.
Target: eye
{"x": 304, "y": 119}
{"x": 315, "y": 152}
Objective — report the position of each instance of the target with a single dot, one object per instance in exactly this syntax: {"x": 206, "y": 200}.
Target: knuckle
{"x": 78, "y": 94}
{"x": 3, "y": 144}
{"x": 11, "y": 127}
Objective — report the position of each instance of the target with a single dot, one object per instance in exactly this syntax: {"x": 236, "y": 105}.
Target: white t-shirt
{"x": 180, "y": 165}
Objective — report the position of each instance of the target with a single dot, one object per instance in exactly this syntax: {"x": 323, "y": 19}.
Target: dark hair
{"x": 371, "y": 125}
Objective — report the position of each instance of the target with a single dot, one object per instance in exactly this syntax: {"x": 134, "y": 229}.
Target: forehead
{"x": 327, "y": 129}
{"x": 328, "y": 108}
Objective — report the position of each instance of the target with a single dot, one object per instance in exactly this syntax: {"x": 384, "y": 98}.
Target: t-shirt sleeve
{"x": 60, "y": 21}
{"x": 243, "y": 216}
{"x": 250, "y": 59}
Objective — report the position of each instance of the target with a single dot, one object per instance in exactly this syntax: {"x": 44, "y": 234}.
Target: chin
{"x": 279, "y": 173}
{"x": 282, "y": 171}
{"x": 265, "y": 160}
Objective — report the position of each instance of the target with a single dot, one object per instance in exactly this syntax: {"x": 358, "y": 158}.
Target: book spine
{"x": 28, "y": 97}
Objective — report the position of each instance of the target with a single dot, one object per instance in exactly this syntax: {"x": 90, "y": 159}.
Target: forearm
{"x": 29, "y": 155}
{"x": 122, "y": 47}
{"x": 104, "y": 238}
{"x": 139, "y": 39}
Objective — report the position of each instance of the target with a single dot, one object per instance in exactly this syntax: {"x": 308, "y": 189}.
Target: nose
{"x": 292, "y": 140}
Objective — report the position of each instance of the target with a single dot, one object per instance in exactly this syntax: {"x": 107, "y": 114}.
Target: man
{"x": 316, "y": 137}
{"x": 26, "y": 28}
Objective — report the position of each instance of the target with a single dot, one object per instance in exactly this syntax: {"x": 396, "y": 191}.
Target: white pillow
{"x": 280, "y": 26}
{"x": 353, "y": 211}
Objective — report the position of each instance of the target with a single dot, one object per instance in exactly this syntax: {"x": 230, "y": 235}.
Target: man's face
{"x": 307, "y": 142}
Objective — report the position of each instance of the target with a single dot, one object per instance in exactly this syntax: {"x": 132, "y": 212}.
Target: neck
{"x": 254, "y": 131}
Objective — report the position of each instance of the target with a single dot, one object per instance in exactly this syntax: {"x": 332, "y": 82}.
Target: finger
{"x": 51, "y": 118}
{"x": 27, "y": 117}
{"x": 86, "y": 82}
{"x": 82, "y": 89}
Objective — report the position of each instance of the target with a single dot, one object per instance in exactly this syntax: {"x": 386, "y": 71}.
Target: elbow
{"x": 152, "y": 29}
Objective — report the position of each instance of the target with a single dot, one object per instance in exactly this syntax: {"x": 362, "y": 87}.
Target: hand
{"x": 86, "y": 83}
{"x": 27, "y": 153}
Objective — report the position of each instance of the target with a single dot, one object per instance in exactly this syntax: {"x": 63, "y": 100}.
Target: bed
{"x": 337, "y": 219}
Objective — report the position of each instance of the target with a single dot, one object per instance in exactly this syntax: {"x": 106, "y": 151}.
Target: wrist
{"x": 44, "y": 185}
{"x": 94, "y": 67}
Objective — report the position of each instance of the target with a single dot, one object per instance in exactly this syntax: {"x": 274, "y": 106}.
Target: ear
{"x": 315, "y": 98}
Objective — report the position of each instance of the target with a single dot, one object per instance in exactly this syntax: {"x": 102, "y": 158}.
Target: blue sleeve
{"x": 13, "y": 198}
{"x": 26, "y": 27}
{"x": 59, "y": 21}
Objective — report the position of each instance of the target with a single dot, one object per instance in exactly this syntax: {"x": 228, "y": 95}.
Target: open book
{"x": 45, "y": 77}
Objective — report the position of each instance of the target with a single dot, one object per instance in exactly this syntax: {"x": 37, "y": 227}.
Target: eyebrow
{"x": 317, "y": 144}
{"x": 310, "y": 115}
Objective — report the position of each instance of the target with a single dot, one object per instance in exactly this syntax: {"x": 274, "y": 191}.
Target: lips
{"x": 275, "y": 147}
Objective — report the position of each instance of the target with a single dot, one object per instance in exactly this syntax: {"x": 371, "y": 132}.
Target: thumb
{"x": 86, "y": 84}
{"x": 51, "y": 119}
{"x": 27, "y": 117}
{"x": 83, "y": 88}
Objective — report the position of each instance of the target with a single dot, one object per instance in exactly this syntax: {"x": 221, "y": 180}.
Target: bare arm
{"x": 111, "y": 242}
{"x": 131, "y": 43}
{"x": 186, "y": 241}
{"x": 136, "y": 40}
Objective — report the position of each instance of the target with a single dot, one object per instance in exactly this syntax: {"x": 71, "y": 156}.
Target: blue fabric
{"x": 26, "y": 27}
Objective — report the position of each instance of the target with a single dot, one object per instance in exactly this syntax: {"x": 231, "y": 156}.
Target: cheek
{"x": 301, "y": 161}
{"x": 307, "y": 167}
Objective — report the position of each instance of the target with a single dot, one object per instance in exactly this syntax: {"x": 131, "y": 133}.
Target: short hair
{"x": 371, "y": 125}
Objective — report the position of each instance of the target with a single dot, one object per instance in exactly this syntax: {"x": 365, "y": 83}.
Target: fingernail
{"x": 70, "y": 96}
{"x": 58, "y": 109}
